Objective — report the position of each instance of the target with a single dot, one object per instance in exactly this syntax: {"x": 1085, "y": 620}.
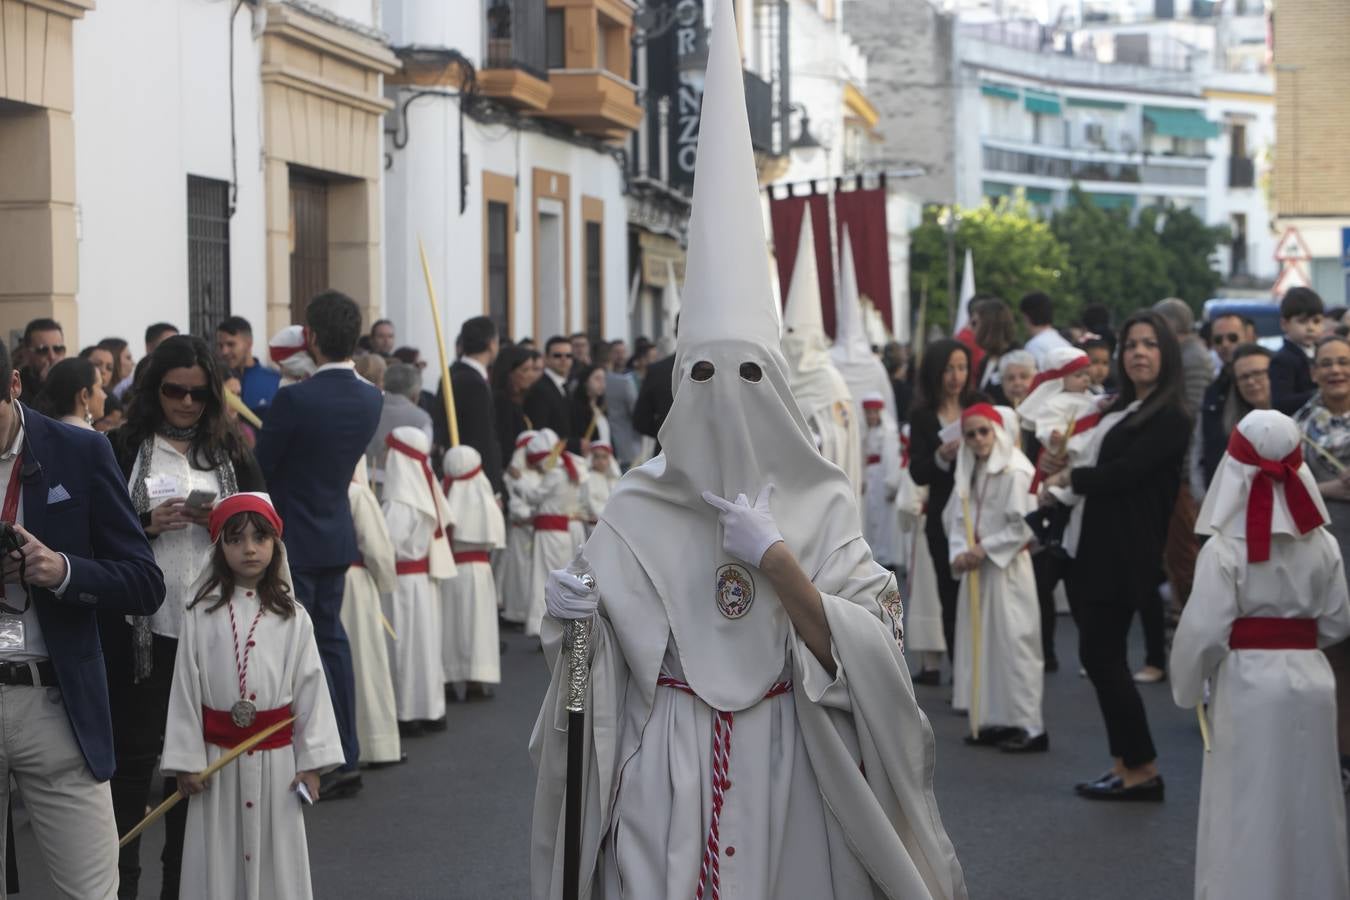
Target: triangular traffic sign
{"x": 1291, "y": 247}
{"x": 1291, "y": 276}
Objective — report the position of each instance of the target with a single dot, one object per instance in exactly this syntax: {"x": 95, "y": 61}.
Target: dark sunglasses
{"x": 979, "y": 431}
{"x": 178, "y": 392}
{"x": 1227, "y": 338}
{"x": 561, "y": 355}
{"x": 51, "y": 350}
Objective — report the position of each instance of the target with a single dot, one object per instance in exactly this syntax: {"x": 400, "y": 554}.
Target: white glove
{"x": 747, "y": 531}
{"x": 571, "y": 593}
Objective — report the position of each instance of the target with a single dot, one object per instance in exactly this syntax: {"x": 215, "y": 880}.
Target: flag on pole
{"x": 967, "y": 292}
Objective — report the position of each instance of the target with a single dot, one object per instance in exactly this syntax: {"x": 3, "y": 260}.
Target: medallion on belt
{"x": 735, "y": 591}
{"x": 243, "y": 713}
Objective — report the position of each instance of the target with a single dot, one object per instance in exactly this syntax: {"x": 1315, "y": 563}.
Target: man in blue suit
{"x": 310, "y": 444}
{"x": 83, "y": 552}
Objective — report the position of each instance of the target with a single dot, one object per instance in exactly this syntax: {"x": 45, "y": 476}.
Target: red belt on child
{"x": 874, "y": 459}
{"x": 358, "y": 563}
{"x": 1268, "y": 633}
{"x": 551, "y": 523}
{"x": 709, "y": 879}
{"x": 219, "y": 729}
{"x": 413, "y": 566}
{"x": 463, "y": 557}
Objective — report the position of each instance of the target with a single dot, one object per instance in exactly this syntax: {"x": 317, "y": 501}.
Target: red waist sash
{"x": 472, "y": 556}
{"x": 874, "y": 459}
{"x": 1267, "y": 633}
{"x": 358, "y": 563}
{"x": 551, "y": 523}
{"x": 219, "y": 729}
{"x": 413, "y": 566}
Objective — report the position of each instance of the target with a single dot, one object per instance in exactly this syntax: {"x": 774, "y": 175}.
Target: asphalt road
{"x": 455, "y": 821}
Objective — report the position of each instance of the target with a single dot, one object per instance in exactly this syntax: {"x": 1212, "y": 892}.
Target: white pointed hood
{"x": 730, "y": 433}
{"x": 815, "y": 381}
{"x": 852, "y": 354}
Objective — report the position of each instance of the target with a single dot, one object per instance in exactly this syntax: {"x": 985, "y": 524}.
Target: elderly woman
{"x": 1016, "y": 370}
{"x": 1325, "y": 423}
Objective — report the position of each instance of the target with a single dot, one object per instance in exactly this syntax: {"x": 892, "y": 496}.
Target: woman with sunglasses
{"x": 180, "y": 453}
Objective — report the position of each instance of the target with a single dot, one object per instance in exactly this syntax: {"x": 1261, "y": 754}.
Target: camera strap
{"x": 11, "y": 628}
{"x": 10, "y": 512}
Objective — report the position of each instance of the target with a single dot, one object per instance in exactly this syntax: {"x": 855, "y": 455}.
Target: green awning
{"x": 1190, "y": 124}
{"x": 999, "y": 91}
{"x": 1091, "y": 103}
{"x": 1040, "y": 196}
{"x": 1042, "y": 103}
{"x": 1112, "y": 201}
{"x": 995, "y": 190}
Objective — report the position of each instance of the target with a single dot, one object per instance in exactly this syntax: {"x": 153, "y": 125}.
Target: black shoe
{"x": 1150, "y": 791}
{"x": 479, "y": 690}
{"x": 456, "y": 692}
{"x": 411, "y": 729}
{"x": 386, "y": 764}
{"x": 435, "y": 724}
{"x": 993, "y": 736}
{"x": 1021, "y": 743}
{"x": 339, "y": 785}
{"x": 930, "y": 677}
{"x": 1106, "y": 779}
{"x": 1051, "y": 664}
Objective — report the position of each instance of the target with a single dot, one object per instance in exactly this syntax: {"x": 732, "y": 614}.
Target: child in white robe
{"x": 598, "y": 484}
{"x": 992, "y": 487}
{"x": 363, "y": 620}
{"x": 554, "y": 501}
{"x": 470, "y": 655}
{"x": 513, "y": 571}
{"x": 414, "y": 509}
{"x": 1269, "y": 592}
{"x": 247, "y": 660}
{"x": 881, "y": 481}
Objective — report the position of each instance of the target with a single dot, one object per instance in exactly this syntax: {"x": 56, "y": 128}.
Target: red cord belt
{"x": 710, "y": 871}
{"x": 1268, "y": 633}
{"x": 219, "y": 729}
{"x": 551, "y": 523}
{"x": 874, "y": 459}
{"x": 413, "y": 566}
{"x": 464, "y": 557}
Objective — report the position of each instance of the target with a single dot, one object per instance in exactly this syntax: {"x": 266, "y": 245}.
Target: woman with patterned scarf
{"x": 177, "y": 441}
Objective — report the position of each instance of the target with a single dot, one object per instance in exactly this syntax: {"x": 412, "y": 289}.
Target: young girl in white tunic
{"x": 513, "y": 572}
{"x": 415, "y": 511}
{"x": 470, "y": 653}
{"x": 1269, "y": 591}
{"x": 992, "y": 488}
{"x": 362, "y": 618}
{"x": 881, "y": 481}
{"x": 555, "y": 499}
{"x": 598, "y": 484}
{"x": 246, "y": 660}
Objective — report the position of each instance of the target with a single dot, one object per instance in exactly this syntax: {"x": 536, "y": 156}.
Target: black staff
{"x": 578, "y": 646}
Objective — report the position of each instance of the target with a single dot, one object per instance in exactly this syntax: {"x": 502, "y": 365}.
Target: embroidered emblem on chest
{"x": 735, "y": 591}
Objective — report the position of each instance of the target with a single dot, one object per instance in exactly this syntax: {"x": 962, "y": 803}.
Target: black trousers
{"x": 1103, "y": 604}
{"x": 949, "y": 589}
{"x": 139, "y": 712}
{"x": 1154, "y": 622}
{"x": 1050, "y": 568}
{"x": 320, "y": 592}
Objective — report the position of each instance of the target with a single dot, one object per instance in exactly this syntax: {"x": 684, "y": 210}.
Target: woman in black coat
{"x": 944, "y": 390}
{"x": 514, "y": 372}
{"x": 1128, "y": 497}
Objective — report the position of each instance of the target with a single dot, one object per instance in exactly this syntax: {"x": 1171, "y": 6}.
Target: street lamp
{"x": 805, "y": 141}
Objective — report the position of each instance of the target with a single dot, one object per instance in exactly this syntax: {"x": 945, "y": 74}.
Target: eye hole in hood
{"x": 702, "y": 371}
{"x": 751, "y": 372}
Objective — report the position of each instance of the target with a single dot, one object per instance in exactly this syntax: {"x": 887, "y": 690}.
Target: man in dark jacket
{"x": 474, "y": 412}
{"x": 546, "y": 404}
{"x": 80, "y": 550}
{"x": 655, "y": 398}
{"x": 1226, "y": 333}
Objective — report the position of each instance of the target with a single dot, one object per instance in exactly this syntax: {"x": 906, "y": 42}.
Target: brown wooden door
{"x": 309, "y": 242}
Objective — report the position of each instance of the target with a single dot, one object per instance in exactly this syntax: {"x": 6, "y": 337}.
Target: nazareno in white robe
{"x": 517, "y": 560}
{"x": 246, "y": 832}
{"x": 469, "y": 642}
{"x": 414, "y": 611}
{"x": 1012, "y": 666}
{"x": 1272, "y": 813}
{"x": 881, "y": 482}
{"x": 362, "y": 618}
{"x": 923, "y": 608}
{"x": 555, "y": 494}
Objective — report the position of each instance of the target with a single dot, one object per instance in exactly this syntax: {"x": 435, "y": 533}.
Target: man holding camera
{"x": 72, "y": 547}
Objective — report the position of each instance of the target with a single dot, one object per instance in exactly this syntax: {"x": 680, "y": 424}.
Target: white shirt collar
{"x": 475, "y": 365}
{"x": 345, "y": 364}
{"x": 18, "y": 435}
{"x": 557, "y": 379}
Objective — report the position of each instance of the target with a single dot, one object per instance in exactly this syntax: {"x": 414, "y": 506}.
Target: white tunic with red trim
{"x": 469, "y": 640}
{"x": 517, "y": 560}
{"x": 246, "y": 832}
{"x": 414, "y": 611}
{"x": 1012, "y": 666}
{"x": 555, "y": 500}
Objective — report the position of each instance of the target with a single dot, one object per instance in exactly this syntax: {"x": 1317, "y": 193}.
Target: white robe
{"x": 1272, "y": 814}
{"x": 881, "y": 481}
{"x": 595, "y": 490}
{"x": 923, "y": 607}
{"x": 246, "y": 833}
{"x": 362, "y": 618}
{"x": 836, "y": 431}
{"x": 513, "y": 572}
{"x": 470, "y": 648}
{"x": 831, "y": 790}
{"x": 1012, "y": 667}
{"x": 414, "y": 611}
{"x": 554, "y": 495}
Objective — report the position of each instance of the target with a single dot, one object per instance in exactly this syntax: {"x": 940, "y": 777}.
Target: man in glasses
{"x": 1226, "y": 333}
{"x": 546, "y": 404}
{"x": 44, "y": 346}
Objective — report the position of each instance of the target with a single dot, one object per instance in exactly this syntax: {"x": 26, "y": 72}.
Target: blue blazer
{"x": 311, "y": 441}
{"x": 75, "y": 501}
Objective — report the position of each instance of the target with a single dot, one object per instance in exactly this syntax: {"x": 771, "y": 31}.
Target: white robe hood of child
{"x": 1272, "y": 812}
{"x": 660, "y": 570}
{"x": 408, "y": 481}
{"x": 1048, "y": 407}
{"x": 469, "y": 500}
{"x": 819, "y": 389}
